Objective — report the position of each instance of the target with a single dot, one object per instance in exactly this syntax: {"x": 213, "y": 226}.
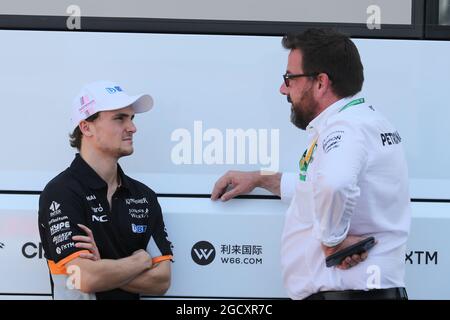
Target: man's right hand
{"x": 240, "y": 183}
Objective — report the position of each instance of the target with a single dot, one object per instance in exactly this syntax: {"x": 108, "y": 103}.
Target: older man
{"x": 352, "y": 181}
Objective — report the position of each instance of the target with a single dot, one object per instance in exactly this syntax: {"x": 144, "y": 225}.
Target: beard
{"x": 303, "y": 111}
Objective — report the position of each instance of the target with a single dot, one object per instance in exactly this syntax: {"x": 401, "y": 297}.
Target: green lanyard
{"x": 307, "y": 155}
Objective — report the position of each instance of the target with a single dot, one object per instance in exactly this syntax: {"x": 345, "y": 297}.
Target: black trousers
{"x": 374, "y": 294}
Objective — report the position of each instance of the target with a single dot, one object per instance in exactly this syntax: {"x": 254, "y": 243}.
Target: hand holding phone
{"x": 357, "y": 248}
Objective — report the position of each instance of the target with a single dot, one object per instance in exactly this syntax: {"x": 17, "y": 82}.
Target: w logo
{"x": 203, "y": 253}
{"x": 2, "y": 245}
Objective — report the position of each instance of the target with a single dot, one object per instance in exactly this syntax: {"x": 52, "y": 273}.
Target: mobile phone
{"x": 357, "y": 248}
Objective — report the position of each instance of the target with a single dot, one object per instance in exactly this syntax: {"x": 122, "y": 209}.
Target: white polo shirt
{"x": 356, "y": 183}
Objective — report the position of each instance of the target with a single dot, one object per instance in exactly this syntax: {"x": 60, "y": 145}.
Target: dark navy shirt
{"x": 78, "y": 195}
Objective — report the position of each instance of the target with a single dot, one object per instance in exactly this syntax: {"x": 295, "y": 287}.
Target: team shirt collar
{"x": 89, "y": 176}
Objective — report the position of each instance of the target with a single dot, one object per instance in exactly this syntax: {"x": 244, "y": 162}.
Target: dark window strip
{"x": 26, "y": 294}
{"x": 158, "y": 297}
{"x": 192, "y": 195}
{"x": 415, "y": 30}
{"x": 433, "y": 30}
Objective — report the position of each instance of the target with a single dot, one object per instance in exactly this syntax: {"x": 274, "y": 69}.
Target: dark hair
{"x": 328, "y": 51}
{"x": 75, "y": 136}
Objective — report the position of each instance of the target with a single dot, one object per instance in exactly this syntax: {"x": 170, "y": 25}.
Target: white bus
{"x": 215, "y": 73}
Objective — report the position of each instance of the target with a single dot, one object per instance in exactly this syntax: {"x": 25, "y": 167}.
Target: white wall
{"x": 228, "y": 82}
{"x": 238, "y": 222}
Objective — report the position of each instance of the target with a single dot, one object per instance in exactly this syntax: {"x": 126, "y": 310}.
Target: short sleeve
{"x": 60, "y": 212}
{"x": 159, "y": 247}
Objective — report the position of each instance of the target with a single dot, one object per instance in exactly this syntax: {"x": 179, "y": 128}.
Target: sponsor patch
{"x": 136, "y": 201}
{"x": 136, "y": 228}
{"x": 63, "y": 247}
{"x": 332, "y": 141}
{"x": 390, "y": 138}
{"x": 54, "y": 209}
{"x": 57, "y": 219}
{"x": 138, "y": 213}
{"x": 59, "y": 227}
{"x": 103, "y": 218}
{"x": 62, "y": 237}
{"x": 98, "y": 209}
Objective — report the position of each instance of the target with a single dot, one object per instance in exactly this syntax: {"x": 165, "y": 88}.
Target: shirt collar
{"x": 84, "y": 171}
{"x": 318, "y": 122}
{"x": 124, "y": 181}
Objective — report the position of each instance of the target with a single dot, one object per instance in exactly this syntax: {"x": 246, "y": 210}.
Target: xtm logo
{"x": 203, "y": 253}
{"x": 2, "y": 245}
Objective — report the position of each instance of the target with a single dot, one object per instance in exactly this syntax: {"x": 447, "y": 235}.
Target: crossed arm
{"x": 136, "y": 273}
{"x": 155, "y": 281}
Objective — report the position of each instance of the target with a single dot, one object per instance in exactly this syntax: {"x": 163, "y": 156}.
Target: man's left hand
{"x": 349, "y": 261}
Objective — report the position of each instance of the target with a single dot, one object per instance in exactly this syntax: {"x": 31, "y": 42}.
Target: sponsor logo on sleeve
{"x": 59, "y": 227}
{"x": 54, "y": 209}
{"x": 390, "y": 138}
{"x": 64, "y": 247}
{"x": 57, "y": 219}
{"x": 332, "y": 141}
{"x": 62, "y": 237}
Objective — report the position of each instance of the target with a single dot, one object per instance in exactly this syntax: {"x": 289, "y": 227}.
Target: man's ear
{"x": 86, "y": 128}
{"x": 323, "y": 82}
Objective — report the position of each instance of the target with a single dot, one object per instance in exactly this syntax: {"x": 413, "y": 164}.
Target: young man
{"x": 352, "y": 184}
{"x": 131, "y": 254}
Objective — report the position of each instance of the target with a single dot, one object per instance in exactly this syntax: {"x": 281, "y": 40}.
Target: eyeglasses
{"x": 288, "y": 76}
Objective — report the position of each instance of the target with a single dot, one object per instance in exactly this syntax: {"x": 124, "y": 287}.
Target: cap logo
{"x": 87, "y": 106}
{"x": 114, "y": 89}
{"x": 84, "y": 100}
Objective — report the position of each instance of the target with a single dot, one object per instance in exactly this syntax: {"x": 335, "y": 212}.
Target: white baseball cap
{"x": 105, "y": 96}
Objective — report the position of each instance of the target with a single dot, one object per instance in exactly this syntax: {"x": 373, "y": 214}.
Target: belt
{"x": 374, "y": 294}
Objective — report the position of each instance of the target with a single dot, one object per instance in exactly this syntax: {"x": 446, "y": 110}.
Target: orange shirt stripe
{"x": 59, "y": 268}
